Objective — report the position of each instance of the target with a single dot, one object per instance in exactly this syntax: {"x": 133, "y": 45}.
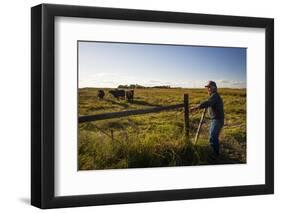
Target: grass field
{"x": 157, "y": 139}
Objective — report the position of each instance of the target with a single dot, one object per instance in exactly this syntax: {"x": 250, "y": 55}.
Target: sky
{"x": 109, "y": 64}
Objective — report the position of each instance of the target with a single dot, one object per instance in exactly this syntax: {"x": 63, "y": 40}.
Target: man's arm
{"x": 210, "y": 102}
{"x": 205, "y": 104}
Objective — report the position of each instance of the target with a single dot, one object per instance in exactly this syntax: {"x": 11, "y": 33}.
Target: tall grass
{"x": 157, "y": 139}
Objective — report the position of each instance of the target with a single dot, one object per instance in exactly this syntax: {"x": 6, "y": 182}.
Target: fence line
{"x": 110, "y": 115}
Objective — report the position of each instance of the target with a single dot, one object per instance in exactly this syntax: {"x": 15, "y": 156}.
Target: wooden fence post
{"x": 186, "y": 115}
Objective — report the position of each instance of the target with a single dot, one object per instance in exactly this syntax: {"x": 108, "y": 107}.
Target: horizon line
{"x": 156, "y": 87}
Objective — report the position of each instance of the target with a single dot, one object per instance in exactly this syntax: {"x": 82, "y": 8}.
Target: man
{"x": 216, "y": 112}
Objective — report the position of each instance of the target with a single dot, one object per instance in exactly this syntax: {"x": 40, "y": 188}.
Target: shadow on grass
{"x": 144, "y": 103}
{"x": 136, "y": 102}
{"x": 136, "y": 154}
{"x": 202, "y": 154}
{"x": 207, "y": 156}
{"x": 125, "y": 105}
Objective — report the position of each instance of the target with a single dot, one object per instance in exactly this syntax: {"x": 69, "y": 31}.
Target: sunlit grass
{"x": 157, "y": 139}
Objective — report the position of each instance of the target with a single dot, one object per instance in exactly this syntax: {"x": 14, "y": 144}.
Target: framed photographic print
{"x": 139, "y": 106}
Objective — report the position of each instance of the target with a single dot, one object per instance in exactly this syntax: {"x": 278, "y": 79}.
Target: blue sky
{"x": 105, "y": 64}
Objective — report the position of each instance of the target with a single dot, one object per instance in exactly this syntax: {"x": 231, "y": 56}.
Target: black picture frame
{"x": 43, "y": 102}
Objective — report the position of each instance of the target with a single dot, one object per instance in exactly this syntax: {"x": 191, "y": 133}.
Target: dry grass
{"x": 156, "y": 139}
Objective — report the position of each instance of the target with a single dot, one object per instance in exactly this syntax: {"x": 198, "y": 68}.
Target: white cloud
{"x": 112, "y": 80}
{"x": 231, "y": 83}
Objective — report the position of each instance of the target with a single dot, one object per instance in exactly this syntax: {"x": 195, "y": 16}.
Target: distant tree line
{"x": 137, "y": 86}
{"x": 131, "y": 86}
{"x": 163, "y": 87}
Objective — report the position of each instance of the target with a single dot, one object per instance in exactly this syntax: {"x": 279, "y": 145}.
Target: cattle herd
{"x": 119, "y": 94}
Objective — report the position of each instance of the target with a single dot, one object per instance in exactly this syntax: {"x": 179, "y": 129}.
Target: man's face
{"x": 209, "y": 90}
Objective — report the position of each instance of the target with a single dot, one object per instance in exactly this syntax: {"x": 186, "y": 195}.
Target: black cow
{"x": 130, "y": 95}
{"x": 117, "y": 93}
{"x": 101, "y": 94}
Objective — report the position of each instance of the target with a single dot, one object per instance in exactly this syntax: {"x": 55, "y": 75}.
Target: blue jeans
{"x": 215, "y": 128}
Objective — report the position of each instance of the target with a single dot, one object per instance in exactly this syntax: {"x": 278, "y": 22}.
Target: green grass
{"x": 157, "y": 139}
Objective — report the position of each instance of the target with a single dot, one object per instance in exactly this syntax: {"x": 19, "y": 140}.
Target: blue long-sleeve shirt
{"x": 214, "y": 105}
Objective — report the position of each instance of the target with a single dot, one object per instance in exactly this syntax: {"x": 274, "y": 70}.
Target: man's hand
{"x": 192, "y": 109}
